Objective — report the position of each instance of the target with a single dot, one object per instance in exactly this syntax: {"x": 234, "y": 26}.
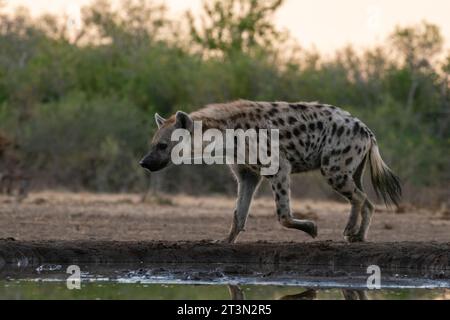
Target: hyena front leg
{"x": 281, "y": 189}
{"x": 248, "y": 182}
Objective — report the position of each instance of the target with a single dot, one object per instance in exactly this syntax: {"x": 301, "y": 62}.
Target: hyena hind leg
{"x": 368, "y": 207}
{"x": 346, "y": 186}
{"x": 248, "y": 182}
{"x": 354, "y": 224}
{"x": 367, "y": 213}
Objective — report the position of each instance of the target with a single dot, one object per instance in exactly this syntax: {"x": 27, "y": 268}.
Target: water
{"x": 105, "y": 290}
{"x": 214, "y": 283}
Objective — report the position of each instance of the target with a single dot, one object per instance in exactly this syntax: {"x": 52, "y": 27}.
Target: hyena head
{"x": 159, "y": 156}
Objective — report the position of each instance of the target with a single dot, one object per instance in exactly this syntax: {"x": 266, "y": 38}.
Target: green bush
{"x": 82, "y": 107}
{"x": 92, "y": 143}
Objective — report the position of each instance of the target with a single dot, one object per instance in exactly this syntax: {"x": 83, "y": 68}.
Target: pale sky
{"x": 325, "y": 24}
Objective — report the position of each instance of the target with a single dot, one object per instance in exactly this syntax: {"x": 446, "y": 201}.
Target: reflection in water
{"x": 309, "y": 294}
{"x": 94, "y": 289}
{"x": 355, "y": 295}
{"x": 237, "y": 293}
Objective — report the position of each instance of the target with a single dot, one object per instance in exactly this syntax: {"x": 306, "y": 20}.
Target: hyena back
{"x": 312, "y": 136}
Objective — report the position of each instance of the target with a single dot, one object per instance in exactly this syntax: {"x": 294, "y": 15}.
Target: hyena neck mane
{"x": 241, "y": 114}
{"x": 222, "y": 116}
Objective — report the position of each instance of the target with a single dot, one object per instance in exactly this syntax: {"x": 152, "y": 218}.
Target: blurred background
{"x": 81, "y": 80}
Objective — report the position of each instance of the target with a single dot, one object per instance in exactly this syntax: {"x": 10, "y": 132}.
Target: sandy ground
{"x": 82, "y": 216}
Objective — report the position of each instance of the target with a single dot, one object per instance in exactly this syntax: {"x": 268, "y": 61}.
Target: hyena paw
{"x": 312, "y": 229}
{"x": 220, "y": 241}
{"x": 227, "y": 240}
{"x": 350, "y": 231}
{"x": 355, "y": 238}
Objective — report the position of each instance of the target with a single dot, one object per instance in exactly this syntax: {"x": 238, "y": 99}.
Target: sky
{"x": 322, "y": 24}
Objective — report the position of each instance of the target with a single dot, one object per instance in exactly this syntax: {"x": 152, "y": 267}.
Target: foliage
{"x": 80, "y": 102}
{"x": 236, "y": 26}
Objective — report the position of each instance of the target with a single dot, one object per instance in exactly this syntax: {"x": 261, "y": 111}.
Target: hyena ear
{"x": 184, "y": 121}
{"x": 159, "y": 120}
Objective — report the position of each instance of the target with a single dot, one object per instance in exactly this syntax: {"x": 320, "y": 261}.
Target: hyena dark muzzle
{"x": 154, "y": 161}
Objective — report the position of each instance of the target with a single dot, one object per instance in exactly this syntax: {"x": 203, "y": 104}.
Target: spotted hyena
{"x": 312, "y": 136}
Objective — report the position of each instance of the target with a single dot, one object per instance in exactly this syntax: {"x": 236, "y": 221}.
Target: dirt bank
{"x": 431, "y": 259}
{"x": 66, "y": 228}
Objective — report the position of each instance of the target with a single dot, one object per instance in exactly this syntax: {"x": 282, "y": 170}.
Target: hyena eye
{"x": 162, "y": 146}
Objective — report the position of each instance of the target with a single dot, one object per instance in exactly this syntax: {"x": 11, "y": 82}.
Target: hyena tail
{"x": 385, "y": 182}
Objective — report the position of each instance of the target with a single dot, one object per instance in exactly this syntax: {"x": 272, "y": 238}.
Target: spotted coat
{"x": 313, "y": 136}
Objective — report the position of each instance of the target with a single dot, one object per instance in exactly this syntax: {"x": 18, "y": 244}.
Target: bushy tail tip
{"x": 386, "y": 184}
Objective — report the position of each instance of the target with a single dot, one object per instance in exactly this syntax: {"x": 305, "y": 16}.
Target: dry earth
{"x": 83, "y": 216}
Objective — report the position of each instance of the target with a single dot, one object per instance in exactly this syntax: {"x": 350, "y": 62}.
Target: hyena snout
{"x": 153, "y": 162}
